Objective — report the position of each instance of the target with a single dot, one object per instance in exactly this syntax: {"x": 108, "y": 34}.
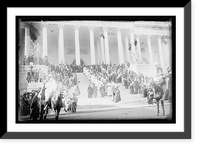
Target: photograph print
{"x": 86, "y": 69}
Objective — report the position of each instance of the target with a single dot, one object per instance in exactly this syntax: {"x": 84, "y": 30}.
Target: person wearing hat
{"x": 94, "y": 89}
{"x": 59, "y": 104}
{"x": 77, "y": 90}
{"x": 102, "y": 90}
{"x": 117, "y": 96}
{"x": 74, "y": 103}
{"x": 35, "y": 106}
{"x": 90, "y": 91}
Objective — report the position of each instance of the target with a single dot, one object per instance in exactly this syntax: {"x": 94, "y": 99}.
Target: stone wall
{"x": 23, "y": 74}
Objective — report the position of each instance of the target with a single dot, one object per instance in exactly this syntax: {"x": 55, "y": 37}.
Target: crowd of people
{"x": 104, "y": 78}
{"x": 107, "y": 77}
{"x": 35, "y": 60}
{"x": 63, "y": 75}
{"x": 35, "y": 75}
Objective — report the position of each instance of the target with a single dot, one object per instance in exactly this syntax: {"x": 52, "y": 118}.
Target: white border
{"x": 13, "y": 127}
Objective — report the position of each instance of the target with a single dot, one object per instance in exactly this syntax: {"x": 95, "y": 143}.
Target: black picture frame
{"x": 124, "y": 135}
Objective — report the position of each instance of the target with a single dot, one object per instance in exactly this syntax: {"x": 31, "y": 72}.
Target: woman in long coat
{"x": 90, "y": 91}
{"x": 94, "y": 88}
{"x": 125, "y": 82}
{"x": 102, "y": 90}
{"x": 117, "y": 97}
{"x": 77, "y": 90}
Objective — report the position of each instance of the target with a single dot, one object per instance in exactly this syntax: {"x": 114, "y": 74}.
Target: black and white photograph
{"x": 105, "y": 69}
{"x": 98, "y": 73}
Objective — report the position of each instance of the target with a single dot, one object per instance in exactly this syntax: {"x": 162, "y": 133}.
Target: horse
{"x": 156, "y": 92}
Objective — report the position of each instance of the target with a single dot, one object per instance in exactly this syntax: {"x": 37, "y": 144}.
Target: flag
{"x": 34, "y": 31}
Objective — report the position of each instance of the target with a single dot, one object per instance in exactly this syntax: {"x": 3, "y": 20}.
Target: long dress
{"x": 90, "y": 92}
{"x": 95, "y": 91}
{"x": 102, "y": 91}
{"x": 131, "y": 88}
{"x": 117, "y": 97}
{"x": 77, "y": 90}
{"x": 125, "y": 83}
{"x": 109, "y": 90}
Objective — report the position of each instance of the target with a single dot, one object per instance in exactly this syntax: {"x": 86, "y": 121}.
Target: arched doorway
{"x": 82, "y": 62}
{"x": 76, "y": 68}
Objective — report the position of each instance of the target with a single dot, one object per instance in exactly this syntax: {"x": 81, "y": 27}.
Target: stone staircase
{"x": 127, "y": 98}
{"x": 133, "y": 99}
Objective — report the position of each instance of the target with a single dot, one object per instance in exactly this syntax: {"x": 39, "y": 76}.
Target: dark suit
{"x": 35, "y": 107}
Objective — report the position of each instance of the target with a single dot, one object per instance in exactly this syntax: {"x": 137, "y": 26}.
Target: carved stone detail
{"x": 166, "y": 38}
{"x": 60, "y": 26}
{"x": 154, "y": 27}
{"x": 44, "y": 24}
{"x": 76, "y": 26}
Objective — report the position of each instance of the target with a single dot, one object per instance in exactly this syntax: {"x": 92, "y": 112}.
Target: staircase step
{"x": 126, "y": 97}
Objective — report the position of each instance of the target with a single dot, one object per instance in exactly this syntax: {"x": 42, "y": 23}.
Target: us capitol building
{"x": 144, "y": 44}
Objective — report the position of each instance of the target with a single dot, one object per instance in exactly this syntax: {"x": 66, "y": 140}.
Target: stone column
{"x": 160, "y": 52}
{"x": 127, "y": 50}
{"x": 26, "y": 47}
{"x": 120, "y": 50}
{"x": 44, "y": 40}
{"x": 92, "y": 50}
{"x": 102, "y": 49}
{"x": 132, "y": 45}
{"x": 138, "y": 48}
{"x": 150, "y": 50}
{"x": 77, "y": 45}
{"x": 98, "y": 55}
{"x": 107, "y": 53}
{"x": 61, "y": 53}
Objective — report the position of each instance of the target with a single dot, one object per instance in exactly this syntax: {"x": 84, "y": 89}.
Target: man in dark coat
{"x": 29, "y": 77}
{"x": 35, "y": 107}
{"x": 114, "y": 76}
{"x": 59, "y": 105}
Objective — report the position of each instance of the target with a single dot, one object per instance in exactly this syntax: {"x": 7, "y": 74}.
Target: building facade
{"x": 95, "y": 42}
